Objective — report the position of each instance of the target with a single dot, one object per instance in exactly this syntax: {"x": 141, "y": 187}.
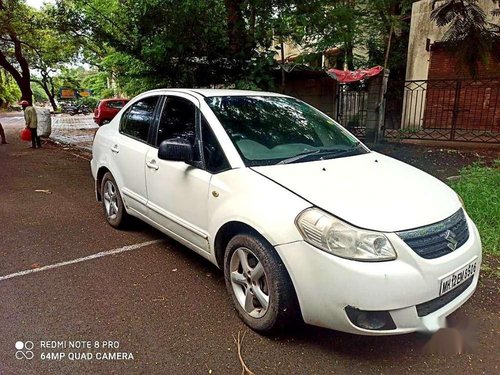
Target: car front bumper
{"x": 326, "y": 284}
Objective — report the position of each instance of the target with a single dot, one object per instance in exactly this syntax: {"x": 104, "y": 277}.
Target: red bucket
{"x": 25, "y": 135}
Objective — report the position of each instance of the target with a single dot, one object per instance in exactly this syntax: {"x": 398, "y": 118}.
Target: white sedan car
{"x": 306, "y": 222}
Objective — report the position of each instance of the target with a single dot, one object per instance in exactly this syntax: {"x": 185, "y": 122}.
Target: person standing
{"x": 2, "y": 135}
{"x": 31, "y": 123}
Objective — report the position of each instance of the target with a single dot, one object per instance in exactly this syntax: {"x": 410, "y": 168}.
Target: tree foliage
{"x": 132, "y": 45}
{"x": 50, "y": 51}
{"x": 9, "y": 90}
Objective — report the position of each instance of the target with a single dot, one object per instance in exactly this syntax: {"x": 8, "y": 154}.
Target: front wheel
{"x": 259, "y": 284}
{"x": 112, "y": 202}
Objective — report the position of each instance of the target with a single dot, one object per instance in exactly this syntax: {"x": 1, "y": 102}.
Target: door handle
{"x": 115, "y": 149}
{"x": 152, "y": 165}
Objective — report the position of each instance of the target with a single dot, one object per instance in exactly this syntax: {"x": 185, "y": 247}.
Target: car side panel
{"x": 245, "y": 196}
{"x": 123, "y": 166}
{"x": 177, "y": 198}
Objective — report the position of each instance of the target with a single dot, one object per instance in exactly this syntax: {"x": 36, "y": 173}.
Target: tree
{"x": 49, "y": 51}
{"x": 31, "y": 50}
{"x": 469, "y": 35}
{"x": 150, "y": 44}
{"x": 15, "y": 20}
{"x": 176, "y": 43}
{"x": 166, "y": 45}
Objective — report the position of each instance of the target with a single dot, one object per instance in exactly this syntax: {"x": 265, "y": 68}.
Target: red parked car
{"x": 107, "y": 109}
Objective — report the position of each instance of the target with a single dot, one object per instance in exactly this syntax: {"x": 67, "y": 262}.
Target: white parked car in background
{"x": 306, "y": 222}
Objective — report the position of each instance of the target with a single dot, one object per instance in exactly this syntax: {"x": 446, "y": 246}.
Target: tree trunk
{"x": 50, "y": 95}
{"x": 48, "y": 86}
{"x": 238, "y": 38}
{"x": 22, "y": 78}
{"x": 349, "y": 56}
{"x": 388, "y": 48}
{"x": 25, "y": 86}
{"x": 22, "y": 81}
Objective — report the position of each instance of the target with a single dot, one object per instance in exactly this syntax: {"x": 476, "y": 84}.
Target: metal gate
{"x": 351, "y": 107}
{"x": 450, "y": 110}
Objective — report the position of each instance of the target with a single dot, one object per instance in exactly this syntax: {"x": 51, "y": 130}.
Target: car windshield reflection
{"x": 277, "y": 130}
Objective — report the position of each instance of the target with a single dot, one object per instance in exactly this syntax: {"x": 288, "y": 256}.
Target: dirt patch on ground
{"x": 442, "y": 163}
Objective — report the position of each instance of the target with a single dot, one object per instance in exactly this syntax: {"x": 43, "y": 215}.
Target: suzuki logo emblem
{"x": 450, "y": 237}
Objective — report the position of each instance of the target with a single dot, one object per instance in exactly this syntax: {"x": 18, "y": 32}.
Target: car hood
{"x": 370, "y": 191}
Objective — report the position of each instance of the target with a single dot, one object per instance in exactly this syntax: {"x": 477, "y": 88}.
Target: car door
{"x": 178, "y": 192}
{"x": 129, "y": 152}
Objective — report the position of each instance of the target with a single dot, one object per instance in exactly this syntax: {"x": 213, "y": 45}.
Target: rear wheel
{"x": 259, "y": 284}
{"x": 112, "y": 202}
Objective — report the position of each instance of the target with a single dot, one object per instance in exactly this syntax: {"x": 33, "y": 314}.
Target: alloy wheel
{"x": 110, "y": 200}
{"x": 249, "y": 282}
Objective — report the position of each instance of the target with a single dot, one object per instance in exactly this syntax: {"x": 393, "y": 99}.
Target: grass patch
{"x": 479, "y": 187}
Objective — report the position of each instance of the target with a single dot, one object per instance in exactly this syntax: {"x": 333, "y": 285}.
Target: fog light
{"x": 372, "y": 320}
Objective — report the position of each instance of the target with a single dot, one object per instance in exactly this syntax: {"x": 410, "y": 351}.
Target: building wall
{"x": 290, "y": 49}
{"x": 421, "y": 29}
{"x": 469, "y": 104}
{"x": 442, "y": 65}
{"x": 431, "y": 105}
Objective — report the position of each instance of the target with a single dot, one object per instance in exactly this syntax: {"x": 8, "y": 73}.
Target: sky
{"x": 38, "y": 3}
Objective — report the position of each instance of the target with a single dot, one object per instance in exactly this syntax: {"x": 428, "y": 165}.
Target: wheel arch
{"x": 233, "y": 228}
{"x": 98, "y": 182}
{"x": 226, "y": 232}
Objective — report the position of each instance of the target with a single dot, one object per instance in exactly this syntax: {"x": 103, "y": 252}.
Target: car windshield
{"x": 280, "y": 130}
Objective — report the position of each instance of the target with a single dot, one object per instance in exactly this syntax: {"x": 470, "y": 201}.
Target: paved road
{"x": 76, "y": 130}
{"x": 155, "y": 301}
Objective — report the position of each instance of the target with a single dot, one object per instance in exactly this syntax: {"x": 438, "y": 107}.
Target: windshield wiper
{"x": 301, "y": 156}
{"x": 320, "y": 152}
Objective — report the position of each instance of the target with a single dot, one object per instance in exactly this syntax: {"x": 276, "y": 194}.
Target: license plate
{"x": 458, "y": 277}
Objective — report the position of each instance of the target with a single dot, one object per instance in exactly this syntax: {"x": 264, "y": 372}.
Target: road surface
{"x": 81, "y": 297}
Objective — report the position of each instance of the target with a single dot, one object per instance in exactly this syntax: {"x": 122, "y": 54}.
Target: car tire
{"x": 254, "y": 275}
{"x": 112, "y": 203}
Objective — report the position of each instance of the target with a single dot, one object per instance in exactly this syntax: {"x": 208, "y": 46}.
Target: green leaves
{"x": 9, "y": 92}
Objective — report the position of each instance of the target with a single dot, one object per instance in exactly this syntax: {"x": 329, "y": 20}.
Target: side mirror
{"x": 176, "y": 149}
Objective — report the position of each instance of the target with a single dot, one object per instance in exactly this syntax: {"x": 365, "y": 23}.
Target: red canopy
{"x": 346, "y": 76}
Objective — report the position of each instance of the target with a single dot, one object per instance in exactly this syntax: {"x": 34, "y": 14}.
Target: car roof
{"x": 114, "y": 99}
{"x": 216, "y": 92}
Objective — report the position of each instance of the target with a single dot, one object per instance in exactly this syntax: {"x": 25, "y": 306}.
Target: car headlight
{"x": 338, "y": 238}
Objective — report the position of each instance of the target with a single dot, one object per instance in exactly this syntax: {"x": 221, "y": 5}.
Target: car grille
{"x": 430, "y": 306}
{"x": 436, "y": 240}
